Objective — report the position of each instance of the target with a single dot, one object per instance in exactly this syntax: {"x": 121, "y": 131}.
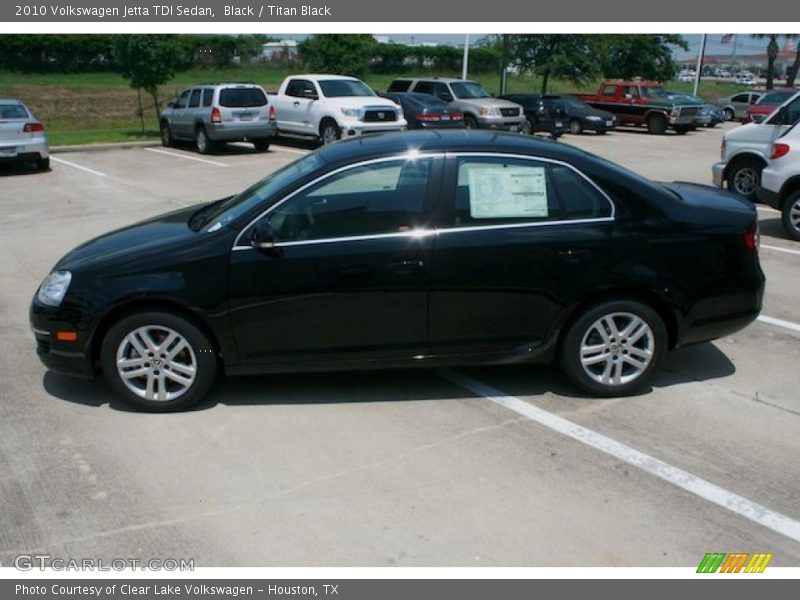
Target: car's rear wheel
{"x": 43, "y": 164}
{"x": 744, "y": 177}
{"x": 158, "y": 361}
{"x": 791, "y": 216}
{"x": 613, "y": 348}
{"x": 656, "y": 124}
{"x": 329, "y": 132}
{"x": 261, "y": 145}
{"x": 471, "y": 123}
{"x": 166, "y": 135}
{"x": 575, "y": 127}
{"x": 202, "y": 142}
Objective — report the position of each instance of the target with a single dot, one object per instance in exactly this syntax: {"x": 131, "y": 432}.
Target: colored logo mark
{"x": 736, "y": 562}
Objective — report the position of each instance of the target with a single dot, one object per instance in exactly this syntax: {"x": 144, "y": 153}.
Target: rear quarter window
{"x": 242, "y": 97}
{"x": 578, "y": 197}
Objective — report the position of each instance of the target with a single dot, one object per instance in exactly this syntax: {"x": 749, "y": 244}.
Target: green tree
{"x": 348, "y": 54}
{"x": 148, "y": 61}
{"x": 638, "y": 55}
{"x": 772, "y": 55}
{"x": 563, "y": 56}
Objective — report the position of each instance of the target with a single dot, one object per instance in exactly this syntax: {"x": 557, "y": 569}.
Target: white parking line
{"x": 195, "y": 158}
{"x": 779, "y": 322}
{"x": 77, "y": 166}
{"x": 779, "y": 249}
{"x": 706, "y": 490}
{"x": 290, "y": 150}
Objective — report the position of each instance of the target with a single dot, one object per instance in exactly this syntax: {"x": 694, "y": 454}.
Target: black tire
{"x": 43, "y": 164}
{"x": 527, "y": 127}
{"x": 166, "y": 135}
{"x": 471, "y": 123}
{"x": 329, "y": 132}
{"x": 203, "y": 353}
{"x": 791, "y": 216}
{"x": 601, "y": 131}
{"x": 656, "y": 124}
{"x": 575, "y": 127}
{"x": 582, "y": 327}
{"x": 261, "y": 145}
{"x": 744, "y": 177}
{"x": 202, "y": 142}
{"x": 730, "y": 115}
{"x": 682, "y": 129}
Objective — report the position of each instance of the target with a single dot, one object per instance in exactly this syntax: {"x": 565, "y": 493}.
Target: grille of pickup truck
{"x": 380, "y": 115}
{"x": 689, "y": 111}
{"x": 509, "y": 112}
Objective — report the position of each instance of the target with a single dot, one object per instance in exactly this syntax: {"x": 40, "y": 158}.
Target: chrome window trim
{"x": 371, "y": 161}
{"x": 421, "y": 233}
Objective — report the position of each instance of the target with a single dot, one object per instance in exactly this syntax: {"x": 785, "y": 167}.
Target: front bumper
{"x": 241, "y": 131}
{"x": 718, "y": 174}
{"x": 502, "y": 123}
{"x": 69, "y": 358}
{"x": 360, "y": 128}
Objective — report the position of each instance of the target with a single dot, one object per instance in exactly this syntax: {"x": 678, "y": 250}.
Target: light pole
{"x": 465, "y": 62}
{"x": 700, "y": 56}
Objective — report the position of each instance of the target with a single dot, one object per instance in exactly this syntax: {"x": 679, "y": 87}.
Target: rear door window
{"x": 194, "y": 99}
{"x": 579, "y": 199}
{"x": 242, "y": 97}
{"x": 208, "y": 97}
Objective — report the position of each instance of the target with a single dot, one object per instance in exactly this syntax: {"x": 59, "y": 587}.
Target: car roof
{"x": 12, "y": 101}
{"x": 457, "y": 140}
{"x": 326, "y": 76}
{"x": 441, "y": 79}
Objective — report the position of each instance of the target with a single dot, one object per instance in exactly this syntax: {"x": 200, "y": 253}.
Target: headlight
{"x": 400, "y": 114}
{"x": 490, "y": 111}
{"x": 54, "y": 287}
{"x": 594, "y": 118}
{"x": 351, "y": 112}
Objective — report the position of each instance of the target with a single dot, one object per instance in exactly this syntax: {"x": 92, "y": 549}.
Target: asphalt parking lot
{"x": 501, "y": 466}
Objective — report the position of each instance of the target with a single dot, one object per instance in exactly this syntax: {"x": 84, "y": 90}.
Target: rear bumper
{"x": 24, "y": 150}
{"x": 248, "y": 130}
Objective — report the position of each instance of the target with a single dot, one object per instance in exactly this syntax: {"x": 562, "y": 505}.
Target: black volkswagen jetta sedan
{"x": 409, "y": 249}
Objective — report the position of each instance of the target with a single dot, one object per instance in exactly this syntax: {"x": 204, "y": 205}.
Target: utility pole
{"x": 504, "y": 61}
{"x": 465, "y": 62}
{"x": 700, "y": 56}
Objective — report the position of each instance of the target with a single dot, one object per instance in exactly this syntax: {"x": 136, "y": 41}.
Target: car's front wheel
{"x": 261, "y": 145}
{"x": 575, "y": 127}
{"x": 166, "y": 135}
{"x": 729, "y": 114}
{"x": 791, "y": 216}
{"x": 329, "y": 132}
{"x": 744, "y": 177}
{"x": 613, "y": 348}
{"x": 158, "y": 361}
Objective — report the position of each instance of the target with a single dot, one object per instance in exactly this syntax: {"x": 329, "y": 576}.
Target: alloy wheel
{"x": 745, "y": 181}
{"x": 156, "y": 363}
{"x": 617, "y": 348}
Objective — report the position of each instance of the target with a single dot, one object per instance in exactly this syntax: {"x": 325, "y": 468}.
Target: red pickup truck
{"x": 643, "y": 102}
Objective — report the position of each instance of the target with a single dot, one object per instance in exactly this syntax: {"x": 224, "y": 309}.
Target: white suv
{"x": 780, "y": 180}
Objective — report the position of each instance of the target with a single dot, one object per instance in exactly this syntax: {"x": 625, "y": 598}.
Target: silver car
{"x": 22, "y": 136}
{"x": 735, "y": 106}
{"x": 212, "y": 114}
{"x": 480, "y": 108}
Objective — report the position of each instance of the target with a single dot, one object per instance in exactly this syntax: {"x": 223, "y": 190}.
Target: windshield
{"x": 229, "y": 210}
{"x": 339, "y": 88}
{"x": 469, "y": 89}
{"x": 574, "y": 102}
{"x": 13, "y": 111}
{"x": 653, "y": 91}
{"x": 775, "y": 97}
{"x": 242, "y": 97}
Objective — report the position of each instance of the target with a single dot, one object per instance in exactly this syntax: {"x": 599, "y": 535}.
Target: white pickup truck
{"x": 330, "y": 107}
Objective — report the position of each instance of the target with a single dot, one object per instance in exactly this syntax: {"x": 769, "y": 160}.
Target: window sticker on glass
{"x": 497, "y": 192}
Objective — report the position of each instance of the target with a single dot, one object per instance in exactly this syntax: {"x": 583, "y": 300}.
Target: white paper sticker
{"x": 497, "y": 192}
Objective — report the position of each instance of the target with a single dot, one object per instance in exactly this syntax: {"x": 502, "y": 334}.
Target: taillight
{"x": 457, "y": 116}
{"x": 273, "y": 114}
{"x": 33, "y": 127}
{"x": 779, "y": 150}
{"x": 216, "y": 117}
{"x": 427, "y": 117}
{"x": 751, "y": 239}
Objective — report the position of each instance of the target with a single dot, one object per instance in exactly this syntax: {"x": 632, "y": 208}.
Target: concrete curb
{"x": 100, "y": 147}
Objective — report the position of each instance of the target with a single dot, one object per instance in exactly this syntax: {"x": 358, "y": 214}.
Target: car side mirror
{"x": 262, "y": 236}
{"x": 310, "y": 94}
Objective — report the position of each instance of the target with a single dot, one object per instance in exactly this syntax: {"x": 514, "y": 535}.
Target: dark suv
{"x": 541, "y": 114}
{"x": 210, "y": 114}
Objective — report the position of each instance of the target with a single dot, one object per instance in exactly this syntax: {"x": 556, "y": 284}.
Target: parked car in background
{"x": 330, "y": 107}
{"x": 745, "y": 150}
{"x": 212, "y": 114}
{"x": 766, "y": 104}
{"x": 425, "y": 248}
{"x": 582, "y": 117}
{"x": 710, "y": 115}
{"x": 22, "y": 136}
{"x": 747, "y": 80}
{"x": 736, "y": 105}
{"x": 643, "y": 103}
{"x": 481, "y": 110}
{"x": 541, "y": 114}
{"x": 780, "y": 180}
{"x": 423, "y": 111}
{"x": 686, "y": 76}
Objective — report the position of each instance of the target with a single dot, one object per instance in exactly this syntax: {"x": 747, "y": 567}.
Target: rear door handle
{"x": 573, "y": 253}
{"x": 406, "y": 265}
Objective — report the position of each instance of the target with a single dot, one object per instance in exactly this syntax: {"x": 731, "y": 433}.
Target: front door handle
{"x": 573, "y": 253}
{"x": 295, "y": 104}
{"x": 406, "y": 265}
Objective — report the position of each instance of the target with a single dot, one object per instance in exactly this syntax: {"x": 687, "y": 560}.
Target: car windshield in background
{"x": 241, "y": 97}
{"x": 340, "y": 88}
{"x": 469, "y": 89}
{"x": 230, "y": 210}
{"x": 13, "y": 111}
{"x": 574, "y": 102}
{"x": 775, "y": 97}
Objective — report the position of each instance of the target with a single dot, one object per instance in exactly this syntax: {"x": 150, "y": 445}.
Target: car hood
{"x": 152, "y": 235}
{"x": 488, "y": 102}
{"x": 752, "y": 132}
{"x": 361, "y": 102}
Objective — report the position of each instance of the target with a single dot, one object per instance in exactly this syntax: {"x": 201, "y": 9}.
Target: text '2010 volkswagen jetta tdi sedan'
{"x": 410, "y": 249}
